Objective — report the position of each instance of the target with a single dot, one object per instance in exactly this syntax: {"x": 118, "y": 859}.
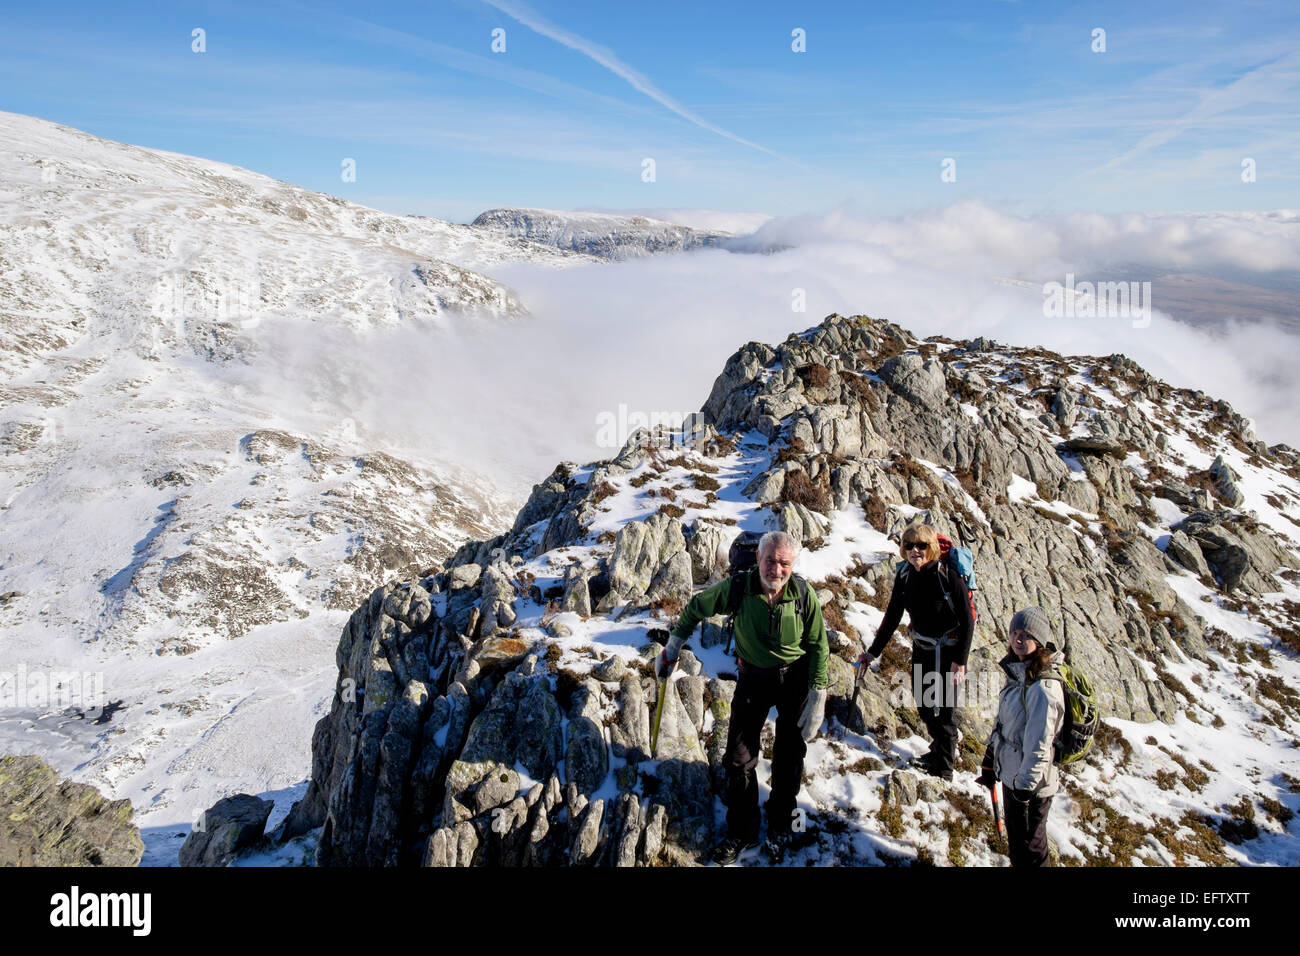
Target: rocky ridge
{"x": 497, "y": 712}
{"x": 602, "y": 235}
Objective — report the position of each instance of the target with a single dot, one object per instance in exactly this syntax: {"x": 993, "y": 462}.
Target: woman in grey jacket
{"x": 1031, "y": 711}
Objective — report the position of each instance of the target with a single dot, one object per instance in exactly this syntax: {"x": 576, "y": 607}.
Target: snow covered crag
{"x": 602, "y": 235}
{"x": 498, "y": 712}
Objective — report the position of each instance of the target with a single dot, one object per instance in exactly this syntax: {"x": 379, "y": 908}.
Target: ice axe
{"x": 659, "y": 713}
{"x": 988, "y": 765}
{"x": 858, "y": 667}
{"x": 660, "y": 693}
{"x": 662, "y": 689}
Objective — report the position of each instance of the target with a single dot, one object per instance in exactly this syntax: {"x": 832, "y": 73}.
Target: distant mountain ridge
{"x": 603, "y": 235}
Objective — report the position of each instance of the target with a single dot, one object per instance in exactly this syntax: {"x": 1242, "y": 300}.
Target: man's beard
{"x": 767, "y": 584}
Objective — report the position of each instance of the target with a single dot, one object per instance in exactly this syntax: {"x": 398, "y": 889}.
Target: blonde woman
{"x": 939, "y": 617}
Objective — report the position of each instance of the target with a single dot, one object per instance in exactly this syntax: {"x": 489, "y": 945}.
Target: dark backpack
{"x": 952, "y": 560}
{"x": 742, "y": 558}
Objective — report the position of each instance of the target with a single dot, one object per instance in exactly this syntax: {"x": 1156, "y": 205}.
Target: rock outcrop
{"x": 45, "y": 821}
{"x": 468, "y": 727}
{"x": 232, "y": 824}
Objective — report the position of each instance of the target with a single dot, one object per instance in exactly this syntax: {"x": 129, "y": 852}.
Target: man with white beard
{"x": 781, "y": 653}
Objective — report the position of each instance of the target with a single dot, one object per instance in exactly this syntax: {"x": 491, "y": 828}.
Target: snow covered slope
{"x": 187, "y": 505}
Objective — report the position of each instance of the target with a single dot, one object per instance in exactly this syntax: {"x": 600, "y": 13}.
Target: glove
{"x": 987, "y": 779}
{"x": 814, "y": 709}
{"x": 864, "y": 662}
{"x": 667, "y": 659}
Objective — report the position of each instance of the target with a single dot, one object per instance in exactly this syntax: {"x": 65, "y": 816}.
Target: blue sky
{"x": 733, "y": 118}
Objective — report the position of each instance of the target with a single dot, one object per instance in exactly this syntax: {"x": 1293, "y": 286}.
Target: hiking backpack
{"x": 1082, "y": 715}
{"x": 742, "y": 557}
{"x": 952, "y": 560}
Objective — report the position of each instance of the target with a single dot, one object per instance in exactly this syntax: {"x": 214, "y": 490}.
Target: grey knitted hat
{"x": 1036, "y": 622}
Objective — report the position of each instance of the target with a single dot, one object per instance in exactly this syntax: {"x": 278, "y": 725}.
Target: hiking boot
{"x": 923, "y": 762}
{"x": 933, "y": 769}
{"x": 777, "y": 845}
{"x": 726, "y": 852}
{"x": 927, "y": 765}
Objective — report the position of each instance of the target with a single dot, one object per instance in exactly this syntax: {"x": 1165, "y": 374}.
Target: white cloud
{"x": 511, "y": 399}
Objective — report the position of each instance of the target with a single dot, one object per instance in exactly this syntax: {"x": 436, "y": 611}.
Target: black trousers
{"x": 931, "y": 688}
{"x": 1027, "y": 829}
{"x": 759, "y": 689}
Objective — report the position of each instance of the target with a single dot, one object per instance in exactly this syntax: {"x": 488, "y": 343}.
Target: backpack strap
{"x": 947, "y": 594}
{"x": 1047, "y": 675}
{"x": 801, "y": 596}
{"x": 736, "y": 592}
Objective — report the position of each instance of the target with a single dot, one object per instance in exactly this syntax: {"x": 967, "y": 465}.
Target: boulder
{"x": 228, "y": 826}
{"x": 642, "y": 549}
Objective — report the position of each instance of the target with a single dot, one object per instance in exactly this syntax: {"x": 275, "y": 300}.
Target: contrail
{"x": 1261, "y": 83}
{"x": 606, "y": 58}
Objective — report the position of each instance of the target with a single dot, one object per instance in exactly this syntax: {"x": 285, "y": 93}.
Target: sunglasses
{"x": 915, "y": 546}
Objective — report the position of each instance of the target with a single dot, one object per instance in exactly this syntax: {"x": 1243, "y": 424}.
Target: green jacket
{"x": 766, "y": 635}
